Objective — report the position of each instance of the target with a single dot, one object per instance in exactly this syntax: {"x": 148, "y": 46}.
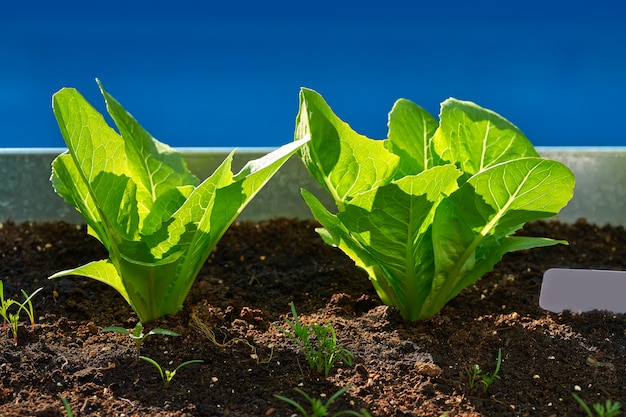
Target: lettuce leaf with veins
{"x": 158, "y": 221}
{"x": 432, "y": 208}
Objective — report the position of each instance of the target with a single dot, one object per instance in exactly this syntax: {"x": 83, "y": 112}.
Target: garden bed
{"x": 243, "y": 293}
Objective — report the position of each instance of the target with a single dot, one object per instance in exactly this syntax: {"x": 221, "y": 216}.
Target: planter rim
{"x": 27, "y": 195}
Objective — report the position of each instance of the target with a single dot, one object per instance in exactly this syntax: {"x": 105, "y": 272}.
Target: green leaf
{"x": 343, "y": 161}
{"x": 97, "y": 156}
{"x": 475, "y": 138}
{"x": 158, "y": 170}
{"x": 501, "y": 199}
{"x": 392, "y": 223}
{"x": 103, "y": 271}
{"x": 470, "y": 230}
{"x": 410, "y": 134}
{"x": 157, "y": 366}
{"x": 164, "y": 332}
{"x": 116, "y": 329}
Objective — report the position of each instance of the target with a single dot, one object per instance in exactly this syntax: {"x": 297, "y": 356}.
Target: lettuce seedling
{"x": 167, "y": 375}
{"x": 138, "y": 336}
{"x": 476, "y": 375}
{"x": 158, "y": 222}
{"x": 318, "y": 408}
{"x": 429, "y": 210}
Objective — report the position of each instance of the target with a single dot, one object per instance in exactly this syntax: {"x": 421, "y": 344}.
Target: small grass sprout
{"x": 321, "y": 353}
{"x": 14, "y": 324}
{"x": 608, "y": 409}
{"x": 477, "y": 377}
{"x": 167, "y": 375}
{"x": 4, "y": 306}
{"x": 12, "y": 319}
{"x": 318, "y": 408}
{"x": 138, "y": 336}
{"x": 27, "y": 306}
{"x": 67, "y": 407}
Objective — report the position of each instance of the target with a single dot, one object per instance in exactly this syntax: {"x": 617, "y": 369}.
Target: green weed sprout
{"x": 14, "y": 324}
{"x": 608, "y": 409}
{"x": 4, "y": 306}
{"x": 67, "y": 407}
{"x": 318, "y": 408}
{"x": 324, "y": 352}
{"x": 476, "y": 375}
{"x": 138, "y": 336}
{"x": 27, "y": 306}
{"x": 13, "y": 319}
{"x": 167, "y": 375}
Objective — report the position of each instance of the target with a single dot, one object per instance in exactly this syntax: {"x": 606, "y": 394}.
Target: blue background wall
{"x": 208, "y": 74}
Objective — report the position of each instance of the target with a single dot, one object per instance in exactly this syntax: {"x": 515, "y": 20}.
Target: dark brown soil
{"x": 243, "y": 293}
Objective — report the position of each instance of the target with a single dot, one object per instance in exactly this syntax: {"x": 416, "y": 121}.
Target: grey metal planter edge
{"x": 26, "y": 193}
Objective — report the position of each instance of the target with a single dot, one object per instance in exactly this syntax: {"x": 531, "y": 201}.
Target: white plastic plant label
{"x": 580, "y": 290}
